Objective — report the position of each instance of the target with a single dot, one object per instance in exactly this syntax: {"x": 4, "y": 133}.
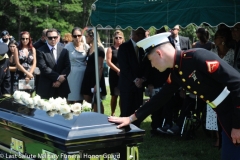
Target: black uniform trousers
{"x": 130, "y": 102}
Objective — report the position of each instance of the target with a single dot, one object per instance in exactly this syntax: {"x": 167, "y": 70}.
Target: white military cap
{"x": 151, "y": 42}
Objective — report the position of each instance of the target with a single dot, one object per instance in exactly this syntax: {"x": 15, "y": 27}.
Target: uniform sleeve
{"x": 157, "y": 101}
{"x": 224, "y": 74}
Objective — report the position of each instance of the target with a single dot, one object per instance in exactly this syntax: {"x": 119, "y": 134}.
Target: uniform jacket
{"x": 5, "y": 77}
{"x": 130, "y": 67}
{"x": 50, "y": 71}
{"x": 204, "y": 74}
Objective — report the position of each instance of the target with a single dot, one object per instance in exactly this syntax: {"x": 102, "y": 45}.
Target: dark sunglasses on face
{"x": 24, "y": 39}
{"x": 75, "y": 36}
{"x": 118, "y": 37}
{"x": 51, "y": 38}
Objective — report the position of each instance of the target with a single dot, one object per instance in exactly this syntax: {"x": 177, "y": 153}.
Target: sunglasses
{"x": 24, "y": 39}
{"x": 118, "y": 37}
{"x": 51, "y": 38}
{"x": 75, "y": 36}
{"x": 235, "y": 29}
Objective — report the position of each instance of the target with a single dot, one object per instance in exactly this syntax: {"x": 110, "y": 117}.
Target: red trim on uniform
{"x": 169, "y": 81}
{"x": 212, "y": 66}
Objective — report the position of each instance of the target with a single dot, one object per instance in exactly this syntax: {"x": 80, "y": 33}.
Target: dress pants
{"x": 130, "y": 102}
{"x": 229, "y": 150}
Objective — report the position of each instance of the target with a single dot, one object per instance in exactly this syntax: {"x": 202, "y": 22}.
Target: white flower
{"x": 64, "y": 109}
{"x": 51, "y": 100}
{"x": 68, "y": 116}
{"x": 76, "y": 107}
{"x": 47, "y": 106}
{"x": 86, "y": 107}
{"x": 60, "y": 100}
{"x": 41, "y": 103}
{"x": 36, "y": 99}
{"x": 24, "y": 97}
{"x": 17, "y": 95}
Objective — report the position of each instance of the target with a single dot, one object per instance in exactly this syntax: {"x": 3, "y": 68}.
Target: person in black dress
{"x": 114, "y": 71}
{"x": 12, "y": 46}
{"x": 89, "y": 81}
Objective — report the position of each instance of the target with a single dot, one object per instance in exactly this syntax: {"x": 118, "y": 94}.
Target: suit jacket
{"x": 50, "y": 71}
{"x": 184, "y": 42}
{"x": 130, "y": 66}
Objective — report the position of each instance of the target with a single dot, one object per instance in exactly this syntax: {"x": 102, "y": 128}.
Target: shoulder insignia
{"x": 212, "y": 66}
{"x": 169, "y": 81}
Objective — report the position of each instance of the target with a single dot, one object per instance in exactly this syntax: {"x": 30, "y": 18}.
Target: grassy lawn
{"x": 167, "y": 147}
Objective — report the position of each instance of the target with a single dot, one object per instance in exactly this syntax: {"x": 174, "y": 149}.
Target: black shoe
{"x": 163, "y": 129}
{"x": 174, "y": 130}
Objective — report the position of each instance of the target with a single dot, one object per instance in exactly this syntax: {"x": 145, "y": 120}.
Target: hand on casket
{"x": 122, "y": 121}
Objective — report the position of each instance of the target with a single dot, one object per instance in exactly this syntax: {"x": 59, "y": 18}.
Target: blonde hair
{"x": 67, "y": 37}
{"x": 118, "y": 32}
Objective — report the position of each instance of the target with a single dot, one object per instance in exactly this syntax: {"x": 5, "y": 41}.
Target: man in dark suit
{"x": 131, "y": 74}
{"x": 53, "y": 62}
{"x": 179, "y": 42}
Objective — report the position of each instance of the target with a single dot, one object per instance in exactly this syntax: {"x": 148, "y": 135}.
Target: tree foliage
{"x": 36, "y": 15}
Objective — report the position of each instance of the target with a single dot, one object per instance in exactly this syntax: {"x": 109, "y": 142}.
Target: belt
{"x": 220, "y": 98}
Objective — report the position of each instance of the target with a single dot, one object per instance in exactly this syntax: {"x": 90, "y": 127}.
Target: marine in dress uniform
{"x": 202, "y": 73}
{"x": 5, "y": 77}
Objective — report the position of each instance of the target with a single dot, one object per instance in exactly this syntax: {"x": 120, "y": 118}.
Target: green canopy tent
{"x": 147, "y": 13}
{"x": 157, "y": 13}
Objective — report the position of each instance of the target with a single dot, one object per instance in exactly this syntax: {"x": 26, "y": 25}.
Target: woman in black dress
{"x": 12, "y": 65}
{"x": 89, "y": 81}
{"x": 114, "y": 72}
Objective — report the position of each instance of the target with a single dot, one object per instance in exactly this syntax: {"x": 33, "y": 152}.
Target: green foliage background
{"x": 36, "y": 15}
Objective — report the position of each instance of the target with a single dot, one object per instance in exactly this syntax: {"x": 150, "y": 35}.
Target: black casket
{"x": 32, "y": 134}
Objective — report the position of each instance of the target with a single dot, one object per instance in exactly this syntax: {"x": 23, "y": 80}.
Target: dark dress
{"x": 113, "y": 76}
{"x": 89, "y": 79}
{"x": 26, "y": 62}
{"x": 11, "y": 64}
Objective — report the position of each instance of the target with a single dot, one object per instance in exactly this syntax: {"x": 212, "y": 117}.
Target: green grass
{"x": 167, "y": 147}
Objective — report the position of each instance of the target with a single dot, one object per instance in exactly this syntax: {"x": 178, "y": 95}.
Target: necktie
{"x": 53, "y": 51}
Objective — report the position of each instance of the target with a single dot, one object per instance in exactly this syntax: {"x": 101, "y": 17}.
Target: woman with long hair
{"x": 89, "y": 80}
{"x": 77, "y": 55}
{"x": 12, "y": 46}
{"x": 114, "y": 71}
{"x": 223, "y": 43}
{"x": 25, "y": 59}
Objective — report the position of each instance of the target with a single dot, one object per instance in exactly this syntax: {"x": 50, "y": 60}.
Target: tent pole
{"x": 97, "y": 69}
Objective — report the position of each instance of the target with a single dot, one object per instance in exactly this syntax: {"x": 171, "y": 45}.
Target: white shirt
{"x": 177, "y": 43}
